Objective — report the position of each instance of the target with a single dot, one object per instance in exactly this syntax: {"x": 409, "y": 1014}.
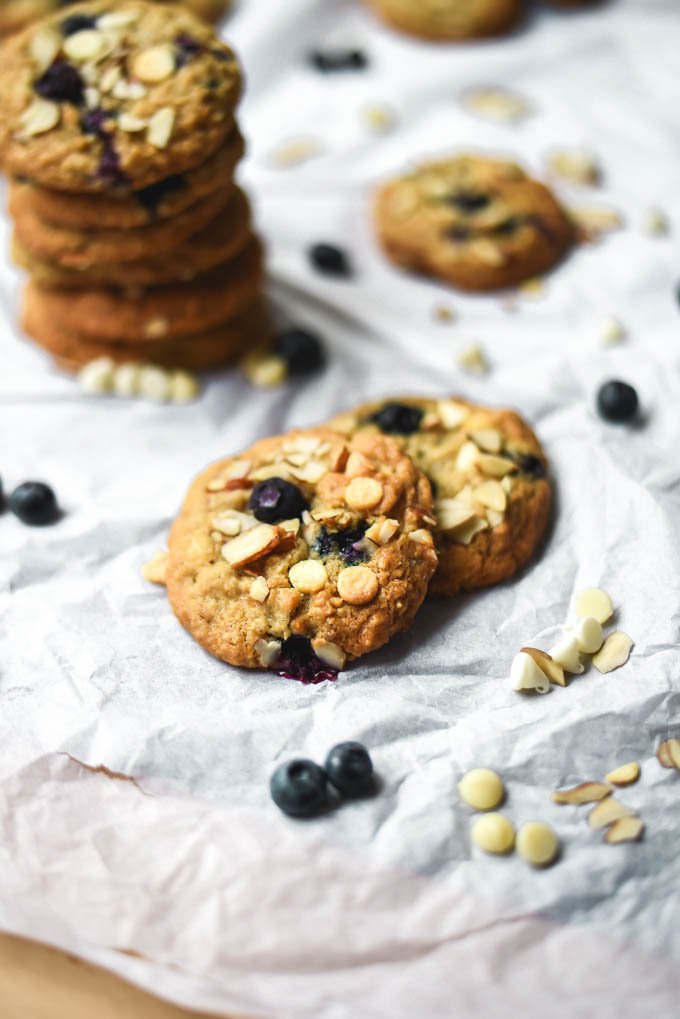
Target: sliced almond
{"x": 131, "y": 124}
{"x": 467, "y": 457}
{"x": 156, "y": 569}
{"x": 491, "y": 494}
{"x": 308, "y": 576}
{"x": 421, "y": 537}
{"x": 329, "y": 653}
{"x": 357, "y": 464}
{"x": 668, "y": 753}
{"x": 606, "y": 812}
{"x": 231, "y": 522}
{"x": 626, "y": 829}
{"x": 614, "y": 653}
{"x": 312, "y": 472}
{"x": 586, "y": 792}
{"x": 291, "y": 526}
{"x": 154, "y": 64}
{"x": 160, "y": 127}
{"x": 252, "y": 544}
{"x": 465, "y": 535}
{"x": 44, "y": 47}
{"x": 382, "y": 531}
{"x": 357, "y": 585}
{"x": 552, "y": 669}
{"x": 259, "y": 589}
{"x": 267, "y": 652}
{"x": 39, "y": 118}
{"x": 115, "y": 20}
{"x": 452, "y": 514}
{"x": 626, "y": 774}
{"x": 363, "y": 493}
{"x": 497, "y": 466}
{"x": 489, "y": 440}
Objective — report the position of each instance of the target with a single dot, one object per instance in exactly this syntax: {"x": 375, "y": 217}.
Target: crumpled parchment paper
{"x": 190, "y": 882}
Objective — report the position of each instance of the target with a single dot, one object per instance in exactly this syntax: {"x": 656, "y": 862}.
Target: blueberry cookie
{"x": 449, "y": 19}
{"x": 305, "y": 551}
{"x": 488, "y": 475}
{"x": 16, "y": 14}
{"x": 477, "y": 223}
{"x": 114, "y": 96}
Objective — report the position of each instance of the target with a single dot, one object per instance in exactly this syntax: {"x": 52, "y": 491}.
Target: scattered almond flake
{"x": 231, "y": 522}
{"x": 110, "y": 78}
{"x": 39, "y": 118}
{"x": 625, "y": 774}
{"x": 312, "y": 472}
{"x": 655, "y": 223}
{"x": 526, "y": 675}
{"x": 97, "y": 375}
{"x": 295, "y": 152}
{"x": 606, "y": 812}
{"x": 329, "y": 653}
{"x": 259, "y": 589}
{"x": 626, "y": 829}
{"x": 498, "y": 104}
{"x": 668, "y": 754}
{"x": 611, "y": 331}
{"x": 472, "y": 359}
{"x": 494, "y": 517}
{"x": 592, "y": 222}
{"x": 453, "y": 513}
{"x": 552, "y": 669}
{"x": 586, "y": 792}
{"x": 160, "y": 127}
{"x": 155, "y": 570}
{"x": 574, "y": 166}
{"x": 264, "y": 371}
{"x": 444, "y": 314}
{"x": 533, "y": 289}
{"x": 614, "y": 653}
{"x": 496, "y": 466}
{"x": 378, "y": 118}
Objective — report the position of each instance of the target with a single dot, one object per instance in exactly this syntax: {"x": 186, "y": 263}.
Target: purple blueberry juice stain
{"x": 297, "y": 661}
{"x": 345, "y": 544}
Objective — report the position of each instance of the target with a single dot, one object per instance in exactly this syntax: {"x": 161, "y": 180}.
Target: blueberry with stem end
{"x": 34, "y": 503}
{"x": 275, "y": 499}
{"x": 617, "y": 401}
{"x": 301, "y": 350}
{"x": 299, "y": 788}
{"x": 350, "y": 769}
{"x": 330, "y": 260}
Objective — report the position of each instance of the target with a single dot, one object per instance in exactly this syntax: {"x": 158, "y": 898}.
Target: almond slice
{"x": 489, "y": 440}
{"x": 586, "y": 792}
{"x": 497, "y": 466}
{"x": 668, "y": 753}
{"x": 252, "y": 544}
{"x": 626, "y": 829}
{"x": 553, "y": 670}
{"x": 383, "y": 530}
{"x": 453, "y": 513}
{"x": 465, "y": 534}
{"x": 614, "y": 653}
{"x": 626, "y": 774}
{"x": 606, "y": 812}
{"x": 329, "y": 653}
{"x": 267, "y": 652}
{"x": 452, "y": 413}
{"x": 491, "y": 495}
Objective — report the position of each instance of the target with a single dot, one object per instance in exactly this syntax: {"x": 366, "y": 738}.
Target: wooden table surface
{"x": 40, "y": 983}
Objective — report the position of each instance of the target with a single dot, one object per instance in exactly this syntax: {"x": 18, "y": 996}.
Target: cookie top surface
{"x": 15, "y": 14}
{"x": 304, "y": 551}
{"x": 489, "y": 478}
{"x": 449, "y": 19}
{"x": 479, "y": 223}
{"x": 107, "y": 97}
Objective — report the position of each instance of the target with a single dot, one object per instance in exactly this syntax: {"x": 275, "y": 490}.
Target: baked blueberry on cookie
{"x": 489, "y": 479}
{"x": 475, "y": 222}
{"x": 304, "y": 552}
{"x": 449, "y": 19}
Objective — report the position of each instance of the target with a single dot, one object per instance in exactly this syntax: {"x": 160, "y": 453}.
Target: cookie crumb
{"x": 611, "y": 331}
{"x": 497, "y": 104}
{"x": 444, "y": 314}
{"x": 473, "y": 360}
{"x": 378, "y": 118}
{"x": 574, "y": 167}
{"x": 655, "y": 223}
{"x": 155, "y": 570}
{"x": 295, "y": 152}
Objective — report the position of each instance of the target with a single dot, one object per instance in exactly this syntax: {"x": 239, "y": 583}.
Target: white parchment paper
{"x": 190, "y": 882}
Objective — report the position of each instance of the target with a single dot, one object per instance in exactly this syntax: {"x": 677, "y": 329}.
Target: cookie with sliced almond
{"x": 303, "y": 552}
{"x": 490, "y": 480}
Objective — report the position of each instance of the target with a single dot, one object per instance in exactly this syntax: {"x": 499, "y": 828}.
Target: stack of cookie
{"x": 16, "y": 14}
{"x": 118, "y": 132}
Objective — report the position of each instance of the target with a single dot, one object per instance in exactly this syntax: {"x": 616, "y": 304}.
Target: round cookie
{"x": 16, "y": 14}
{"x": 303, "y": 552}
{"x": 158, "y": 313}
{"x": 449, "y": 20}
{"x": 477, "y": 223}
{"x": 85, "y": 249}
{"x": 200, "y": 352}
{"x": 489, "y": 478}
{"x": 220, "y": 241}
{"x": 114, "y": 96}
{"x": 165, "y": 199}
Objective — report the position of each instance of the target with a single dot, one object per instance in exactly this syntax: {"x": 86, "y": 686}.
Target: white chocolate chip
{"x": 39, "y": 118}
{"x": 154, "y": 64}
{"x": 482, "y": 789}
{"x": 497, "y": 104}
{"x": 606, "y": 812}
{"x": 266, "y": 372}
{"x": 88, "y": 44}
{"x": 267, "y": 652}
{"x": 156, "y": 569}
{"x": 378, "y": 118}
{"x": 97, "y": 375}
{"x": 329, "y": 653}
{"x": 152, "y": 383}
{"x": 526, "y": 675}
{"x": 491, "y": 494}
{"x": 552, "y": 669}
{"x": 252, "y": 544}
{"x": 160, "y": 127}
{"x": 295, "y": 152}
{"x": 126, "y": 379}
{"x": 363, "y": 493}
{"x": 357, "y": 585}
{"x": 538, "y": 844}
{"x": 588, "y": 635}
{"x": 596, "y": 603}
{"x": 493, "y": 833}
{"x": 259, "y": 589}
{"x": 44, "y": 47}
{"x": 308, "y": 576}
{"x": 472, "y": 359}
{"x": 586, "y": 792}
{"x": 566, "y": 653}
{"x": 131, "y": 124}
{"x": 625, "y": 774}
{"x": 184, "y": 387}
{"x": 614, "y": 653}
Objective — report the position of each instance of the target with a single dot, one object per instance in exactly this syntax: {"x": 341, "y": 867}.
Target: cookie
{"x": 219, "y": 242}
{"x": 305, "y": 551}
{"x": 16, "y": 14}
{"x": 165, "y": 199}
{"x": 114, "y": 96}
{"x": 85, "y": 249}
{"x": 157, "y": 313}
{"x": 449, "y": 19}
{"x": 489, "y": 478}
{"x": 474, "y": 222}
{"x": 201, "y": 352}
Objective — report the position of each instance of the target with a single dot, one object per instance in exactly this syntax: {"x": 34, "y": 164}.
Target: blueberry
{"x": 469, "y": 201}
{"x": 398, "y": 419}
{"x": 342, "y": 544}
{"x": 109, "y": 169}
{"x": 152, "y": 196}
{"x": 530, "y": 464}
{"x": 93, "y": 122}
{"x": 458, "y": 233}
{"x": 34, "y": 503}
{"x": 617, "y": 401}
{"x": 508, "y": 227}
{"x": 338, "y": 60}
{"x": 61, "y": 83}
{"x": 350, "y": 769}
{"x": 187, "y": 49}
{"x": 302, "y": 351}
{"x": 77, "y": 23}
{"x": 299, "y": 788}
{"x": 275, "y": 499}
{"x": 297, "y": 660}
{"x": 330, "y": 260}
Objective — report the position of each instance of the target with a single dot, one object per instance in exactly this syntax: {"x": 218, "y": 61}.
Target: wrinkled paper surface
{"x": 190, "y": 882}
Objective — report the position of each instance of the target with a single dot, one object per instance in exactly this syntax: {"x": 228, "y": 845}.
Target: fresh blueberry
{"x": 34, "y": 503}
{"x": 617, "y": 401}
{"x": 338, "y": 60}
{"x": 77, "y": 23}
{"x": 275, "y": 499}
{"x": 301, "y": 350}
{"x": 530, "y": 464}
{"x": 398, "y": 419}
{"x": 152, "y": 196}
{"x": 350, "y": 768}
{"x": 330, "y": 260}
{"x": 297, "y": 660}
{"x": 344, "y": 543}
{"x": 299, "y": 788}
{"x": 61, "y": 83}
{"x": 469, "y": 201}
